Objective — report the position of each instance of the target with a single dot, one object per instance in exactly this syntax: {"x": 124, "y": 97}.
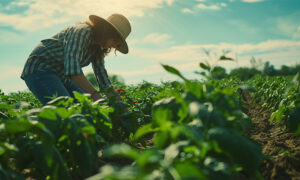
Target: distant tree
{"x": 244, "y": 73}
{"x": 269, "y": 69}
{"x": 218, "y": 72}
{"x": 295, "y": 69}
{"x": 116, "y": 79}
{"x": 285, "y": 70}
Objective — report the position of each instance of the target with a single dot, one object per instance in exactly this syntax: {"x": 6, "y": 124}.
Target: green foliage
{"x": 195, "y": 129}
{"x": 197, "y": 134}
{"x": 244, "y": 73}
{"x": 281, "y": 95}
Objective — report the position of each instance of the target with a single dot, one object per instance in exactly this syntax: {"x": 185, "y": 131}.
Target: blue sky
{"x": 173, "y": 32}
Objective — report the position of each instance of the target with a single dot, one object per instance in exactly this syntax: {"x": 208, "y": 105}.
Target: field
{"x": 190, "y": 129}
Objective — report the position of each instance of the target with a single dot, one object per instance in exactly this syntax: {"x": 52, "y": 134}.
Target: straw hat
{"x": 119, "y": 23}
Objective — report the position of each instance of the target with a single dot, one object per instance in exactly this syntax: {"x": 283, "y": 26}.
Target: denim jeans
{"x": 45, "y": 84}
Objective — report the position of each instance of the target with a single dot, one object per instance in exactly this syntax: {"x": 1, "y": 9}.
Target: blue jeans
{"x": 45, "y": 84}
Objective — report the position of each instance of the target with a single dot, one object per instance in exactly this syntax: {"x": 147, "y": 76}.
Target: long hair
{"x": 107, "y": 33}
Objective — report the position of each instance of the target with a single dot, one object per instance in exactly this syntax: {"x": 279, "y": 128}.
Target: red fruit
{"x": 134, "y": 102}
{"x": 120, "y": 90}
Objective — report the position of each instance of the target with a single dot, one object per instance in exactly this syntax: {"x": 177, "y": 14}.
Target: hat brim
{"x": 98, "y": 20}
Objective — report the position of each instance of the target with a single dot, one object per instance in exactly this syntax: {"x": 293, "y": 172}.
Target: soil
{"x": 282, "y": 149}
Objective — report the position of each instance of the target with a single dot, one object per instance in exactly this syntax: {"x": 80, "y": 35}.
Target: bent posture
{"x": 54, "y": 67}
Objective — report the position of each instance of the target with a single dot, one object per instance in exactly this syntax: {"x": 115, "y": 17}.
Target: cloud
{"x": 10, "y": 79}
{"x": 186, "y": 58}
{"x": 42, "y": 14}
{"x": 252, "y": 1}
{"x": 223, "y": 4}
{"x": 205, "y": 7}
{"x": 195, "y": 52}
{"x": 187, "y": 11}
{"x": 289, "y": 25}
{"x": 10, "y": 72}
{"x": 296, "y": 35}
{"x": 169, "y": 2}
{"x": 153, "y": 69}
{"x": 156, "y": 38}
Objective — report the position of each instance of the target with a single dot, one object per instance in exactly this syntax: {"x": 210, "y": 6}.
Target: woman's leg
{"x": 45, "y": 84}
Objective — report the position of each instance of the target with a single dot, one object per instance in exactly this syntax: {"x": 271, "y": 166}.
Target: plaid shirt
{"x": 66, "y": 53}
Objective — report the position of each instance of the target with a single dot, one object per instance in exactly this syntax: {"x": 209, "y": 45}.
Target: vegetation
{"x": 176, "y": 130}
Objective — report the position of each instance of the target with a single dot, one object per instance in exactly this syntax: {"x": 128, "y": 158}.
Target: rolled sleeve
{"x": 101, "y": 74}
{"x": 76, "y": 44}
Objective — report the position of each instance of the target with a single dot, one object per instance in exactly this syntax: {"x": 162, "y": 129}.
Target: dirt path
{"x": 282, "y": 148}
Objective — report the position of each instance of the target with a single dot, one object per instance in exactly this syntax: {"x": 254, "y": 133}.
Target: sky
{"x": 172, "y": 32}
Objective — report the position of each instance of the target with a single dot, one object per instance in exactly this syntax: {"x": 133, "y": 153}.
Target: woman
{"x": 54, "y": 66}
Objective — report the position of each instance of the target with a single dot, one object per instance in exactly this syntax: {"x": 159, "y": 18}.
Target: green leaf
{"x": 144, "y": 130}
{"x": 48, "y": 112}
{"x": 172, "y": 151}
{"x": 293, "y": 123}
{"x": 90, "y": 130}
{"x": 121, "y": 150}
{"x": 160, "y": 116}
{"x": 81, "y": 97}
{"x": 18, "y": 126}
{"x": 166, "y": 109}
{"x": 224, "y": 58}
{"x": 49, "y": 161}
{"x": 218, "y": 169}
{"x": 205, "y": 67}
{"x": 173, "y": 70}
{"x": 2, "y": 150}
{"x": 188, "y": 170}
{"x": 149, "y": 159}
{"x": 162, "y": 139}
{"x": 57, "y": 100}
{"x": 243, "y": 151}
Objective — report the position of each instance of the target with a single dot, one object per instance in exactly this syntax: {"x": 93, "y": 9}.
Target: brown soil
{"x": 281, "y": 147}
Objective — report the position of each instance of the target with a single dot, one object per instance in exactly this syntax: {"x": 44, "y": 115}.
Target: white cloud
{"x": 252, "y": 1}
{"x": 41, "y": 14}
{"x": 211, "y": 7}
{"x": 187, "y": 11}
{"x": 10, "y": 76}
{"x": 194, "y": 52}
{"x": 10, "y": 72}
{"x": 156, "y": 38}
{"x": 223, "y": 4}
{"x": 296, "y": 35}
{"x": 169, "y": 2}
{"x": 289, "y": 26}
{"x": 19, "y": 3}
{"x": 186, "y": 58}
{"x": 153, "y": 69}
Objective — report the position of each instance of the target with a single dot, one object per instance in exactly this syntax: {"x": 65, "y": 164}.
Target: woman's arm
{"x": 81, "y": 81}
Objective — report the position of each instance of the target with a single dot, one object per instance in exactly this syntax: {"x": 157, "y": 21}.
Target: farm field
{"x": 189, "y": 129}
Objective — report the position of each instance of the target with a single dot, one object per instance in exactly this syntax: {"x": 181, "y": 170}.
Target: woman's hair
{"x": 107, "y": 33}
